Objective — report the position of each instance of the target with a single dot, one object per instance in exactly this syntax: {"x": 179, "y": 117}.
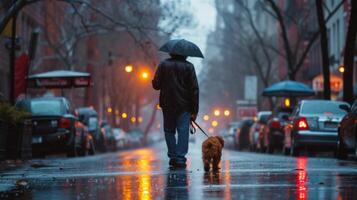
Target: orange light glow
{"x": 217, "y": 113}
{"x": 140, "y": 119}
{"x": 128, "y": 68}
{"x": 117, "y": 112}
{"x": 145, "y": 75}
{"x": 206, "y": 117}
{"x": 124, "y": 115}
{"x": 226, "y": 113}
{"x": 214, "y": 123}
{"x": 158, "y": 106}
{"x": 133, "y": 119}
{"x": 109, "y": 110}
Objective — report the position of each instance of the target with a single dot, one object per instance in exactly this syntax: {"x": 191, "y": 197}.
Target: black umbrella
{"x": 182, "y": 47}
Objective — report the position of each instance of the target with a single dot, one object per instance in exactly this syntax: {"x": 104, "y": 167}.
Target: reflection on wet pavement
{"x": 144, "y": 174}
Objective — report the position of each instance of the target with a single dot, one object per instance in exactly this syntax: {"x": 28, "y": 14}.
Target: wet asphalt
{"x": 144, "y": 174}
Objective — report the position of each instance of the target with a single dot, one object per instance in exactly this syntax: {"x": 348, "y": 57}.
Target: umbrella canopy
{"x": 59, "y": 79}
{"x": 288, "y": 89}
{"x": 182, "y": 47}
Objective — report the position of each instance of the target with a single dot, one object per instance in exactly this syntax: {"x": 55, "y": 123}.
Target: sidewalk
{"x": 10, "y": 188}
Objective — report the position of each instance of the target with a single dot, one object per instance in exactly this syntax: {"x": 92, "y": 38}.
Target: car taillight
{"x": 65, "y": 123}
{"x": 275, "y": 124}
{"x": 301, "y": 124}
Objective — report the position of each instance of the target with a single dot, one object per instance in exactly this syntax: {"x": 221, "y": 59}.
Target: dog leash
{"x": 194, "y": 129}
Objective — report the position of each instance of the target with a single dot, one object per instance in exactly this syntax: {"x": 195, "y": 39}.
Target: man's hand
{"x": 193, "y": 117}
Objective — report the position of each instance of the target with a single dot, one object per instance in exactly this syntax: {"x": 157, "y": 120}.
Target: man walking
{"x": 176, "y": 79}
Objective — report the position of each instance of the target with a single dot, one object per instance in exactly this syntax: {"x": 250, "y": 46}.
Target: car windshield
{"x": 324, "y": 108}
{"x": 47, "y": 107}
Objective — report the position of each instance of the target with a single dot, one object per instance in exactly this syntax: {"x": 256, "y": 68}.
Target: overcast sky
{"x": 204, "y": 13}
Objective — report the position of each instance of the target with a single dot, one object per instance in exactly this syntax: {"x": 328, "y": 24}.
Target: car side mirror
{"x": 345, "y": 108}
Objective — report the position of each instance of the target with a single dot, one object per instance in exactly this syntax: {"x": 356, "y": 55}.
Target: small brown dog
{"x": 212, "y": 152}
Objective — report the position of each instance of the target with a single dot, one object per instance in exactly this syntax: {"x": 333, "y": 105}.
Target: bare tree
{"x": 295, "y": 52}
{"x": 350, "y": 50}
{"x": 324, "y": 49}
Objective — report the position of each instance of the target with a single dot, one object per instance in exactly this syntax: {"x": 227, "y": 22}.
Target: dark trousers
{"x": 180, "y": 122}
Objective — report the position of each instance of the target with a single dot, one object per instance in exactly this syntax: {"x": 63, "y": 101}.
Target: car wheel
{"x": 91, "y": 148}
{"x": 341, "y": 152}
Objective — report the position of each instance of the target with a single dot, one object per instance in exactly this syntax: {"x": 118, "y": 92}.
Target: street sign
{"x": 250, "y": 88}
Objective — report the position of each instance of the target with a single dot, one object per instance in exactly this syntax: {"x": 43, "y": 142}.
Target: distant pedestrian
{"x": 179, "y": 93}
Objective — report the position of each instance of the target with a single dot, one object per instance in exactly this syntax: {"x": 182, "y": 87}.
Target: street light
{"x": 214, "y": 123}
{"x": 144, "y": 75}
{"x": 129, "y": 68}
{"x": 341, "y": 68}
{"x": 217, "y": 112}
{"x": 206, "y": 117}
{"x": 227, "y": 113}
{"x": 133, "y": 119}
{"x": 109, "y": 110}
{"x": 124, "y": 115}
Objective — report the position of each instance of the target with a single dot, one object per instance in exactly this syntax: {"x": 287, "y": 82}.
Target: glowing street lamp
{"x": 214, "y": 123}
{"x": 217, "y": 112}
{"x": 206, "y": 117}
{"x": 226, "y": 113}
{"x": 341, "y": 68}
{"x": 140, "y": 119}
{"x": 129, "y": 68}
{"x": 124, "y": 115}
{"x": 145, "y": 75}
{"x": 133, "y": 119}
{"x": 109, "y": 110}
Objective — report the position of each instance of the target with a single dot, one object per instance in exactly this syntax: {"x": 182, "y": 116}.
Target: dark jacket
{"x": 176, "y": 79}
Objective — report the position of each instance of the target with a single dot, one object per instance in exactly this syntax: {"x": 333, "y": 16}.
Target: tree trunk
{"x": 324, "y": 49}
{"x": 348, "y": 95}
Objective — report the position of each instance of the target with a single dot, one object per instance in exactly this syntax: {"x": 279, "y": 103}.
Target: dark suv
{"x": 54, "y": 128}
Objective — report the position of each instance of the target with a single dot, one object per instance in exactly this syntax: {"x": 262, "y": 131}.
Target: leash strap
{"x": 199, "y": 128}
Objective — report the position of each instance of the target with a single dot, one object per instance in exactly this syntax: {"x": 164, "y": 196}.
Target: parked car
{"x": 89, "y": 117}
{"x": 241, "y": 139}
{"x": 228, "y": 134}
{"x": 135, "y": 137}
{"x": 106, "y": 130}
{"x": 55, "y": 129}
{"x": 314, "y": 124}
{"x": 274, "y": 136}
{"x": 256, "y": 130}
{"x": 347, "y": 132}
{"x": 119, "y": 139}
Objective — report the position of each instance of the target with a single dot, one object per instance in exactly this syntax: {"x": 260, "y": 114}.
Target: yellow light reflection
{"x": 227, "y": 180}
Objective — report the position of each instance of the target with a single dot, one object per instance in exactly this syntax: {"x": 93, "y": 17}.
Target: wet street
{"x": 144, "y": 174}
